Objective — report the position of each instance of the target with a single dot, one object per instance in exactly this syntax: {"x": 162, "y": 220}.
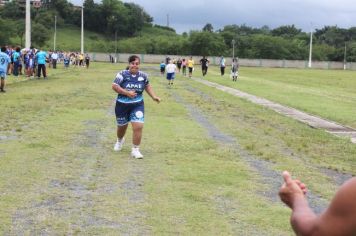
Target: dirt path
{"x": 270, "y": 177}
{"x": 75, "y": 198}
{"x": 314, "y": 121}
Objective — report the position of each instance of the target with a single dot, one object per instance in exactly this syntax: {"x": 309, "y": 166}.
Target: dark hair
{"x": 133, "y": 58}
{"x": 3, "y": 49}
{"x": 18, "y": 49}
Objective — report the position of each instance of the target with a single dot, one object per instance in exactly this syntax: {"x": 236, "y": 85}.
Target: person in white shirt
{"x": 54, "y": 57}
{"x": 170, "y": 71}
{"x": 222, "y": 65}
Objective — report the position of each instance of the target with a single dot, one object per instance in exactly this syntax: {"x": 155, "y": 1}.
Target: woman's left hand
{"x": 157, "y": 99}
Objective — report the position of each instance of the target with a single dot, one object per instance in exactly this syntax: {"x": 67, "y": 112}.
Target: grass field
{"x": 212, "y": 161}
{"x": 326, "y": 93}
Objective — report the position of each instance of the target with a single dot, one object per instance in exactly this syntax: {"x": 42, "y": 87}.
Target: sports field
{"x": 212, "y": 161}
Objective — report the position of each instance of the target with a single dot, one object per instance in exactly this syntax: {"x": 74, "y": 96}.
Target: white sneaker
{"x": 119, "y": 144}
{"x": 136, "y": 153}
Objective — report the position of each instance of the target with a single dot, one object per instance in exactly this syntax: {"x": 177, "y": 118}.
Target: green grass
{"x": 58, "y": 172}
{"x": 325, "y": 93}
{"x": 68, "y": 38}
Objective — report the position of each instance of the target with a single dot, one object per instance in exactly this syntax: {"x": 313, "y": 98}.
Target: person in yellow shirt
{"x": 81, "y": 59}
{"x": 190, "y": 66}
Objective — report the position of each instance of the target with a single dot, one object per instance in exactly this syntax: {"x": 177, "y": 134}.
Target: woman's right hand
{"x": 131, "y": 94}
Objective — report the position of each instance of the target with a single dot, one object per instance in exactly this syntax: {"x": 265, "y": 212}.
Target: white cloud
{"x": 194, "y": 14}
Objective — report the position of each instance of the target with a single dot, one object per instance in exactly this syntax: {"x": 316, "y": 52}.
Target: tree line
{"x": 129, "y": 29}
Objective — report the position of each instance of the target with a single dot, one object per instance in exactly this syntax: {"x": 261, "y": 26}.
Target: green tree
{"x": 287, "y": 31}
{"x": 271, "y": 47}
{"x": 45, "y": 18}
{"x": 206, "y": 43}
{"x": 12, "y": 10}
{"x": 208, "y": 27}
{"x": 114, "y": 13}
{"x": 351, "y": 52}
{"x": 63, "y": 7}
{"x": 6, "y": 32}
{"x": 39, "y": 35}
{"x": 93, "y": 18}
{"x": 136, "y": 16}
{"x": 19, "y": 28}
{"x": 323, "y": 52}
{"x": 332, "y": 35}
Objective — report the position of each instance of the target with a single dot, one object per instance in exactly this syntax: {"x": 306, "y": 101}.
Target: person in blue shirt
{"x": 162, "y": 67}
{"x": 41, "y": 63}
{"x": 10, "y": 67}
{"x": 16, "y": 57}
{"x": 4, "y": 62}
{"x": 130, "y": 84}
{"x": 66, "y": 61}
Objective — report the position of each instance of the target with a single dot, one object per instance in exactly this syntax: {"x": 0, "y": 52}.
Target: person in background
{"x": 184, "y": 67}
{"x": 33, "y": 51}
{"x": 129, "y": 86}
{"x": 87, "y": 60}
{"x": 81, "y": 59}
{"x": 49, "y": 58}
{"x": 9, "y": 52}
{"x": 235, "y": 69}
{"x": 21, "y": 60}
{"x": 179, "y": 64}
{"x": 41, "y": 63}
{"x": 5, "y": 60}
{"x": 222, "y": 65}
{"x": 162, "y": 67}
{"x": 16, "y": 58}
{"x": 338, "y": 219}
{"x": 171, "y": 70}
{"x": 190, "y": 66}
{"x": 66, "y": 60}
{"x": 204, "y": 62}
{"x": 54, "y": 58}
{"x": 28, "y": 60}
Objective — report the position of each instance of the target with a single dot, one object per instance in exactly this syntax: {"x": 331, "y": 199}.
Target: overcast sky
{"x": 304, "y": 14}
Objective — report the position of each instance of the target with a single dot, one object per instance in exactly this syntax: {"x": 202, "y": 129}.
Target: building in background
{"x": 34, "y": 3}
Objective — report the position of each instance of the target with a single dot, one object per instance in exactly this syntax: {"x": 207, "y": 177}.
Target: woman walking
{"x": 130, "y": 84}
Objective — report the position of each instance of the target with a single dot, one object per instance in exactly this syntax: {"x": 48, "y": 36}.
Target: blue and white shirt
{"x": 131, "y": 82}
{"x": 4, "y": 61}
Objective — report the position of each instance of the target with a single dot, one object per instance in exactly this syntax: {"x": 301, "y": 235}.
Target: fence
{"x": 156, "y": 59}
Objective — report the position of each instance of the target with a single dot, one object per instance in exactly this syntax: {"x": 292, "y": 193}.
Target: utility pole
{"x": 233, "y": 48}
{"x": 310, "y": 48}
{"x": 28, "y": 25}
{"x": 167, "y": 20}
{"x": 345, "y": 57}
{"x": 55, "y": 33}
{"x": 82, "y": 31}
{"x": 115, "y": 45}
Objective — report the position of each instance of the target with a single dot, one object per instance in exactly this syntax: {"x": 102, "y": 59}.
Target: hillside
{"x": 69, "y": 39}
